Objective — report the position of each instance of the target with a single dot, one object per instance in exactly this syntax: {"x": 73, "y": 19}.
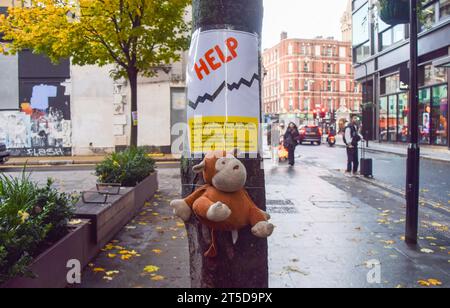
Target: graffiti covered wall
{"x": 38, "y": 121}
{"x": 42, "y": 126}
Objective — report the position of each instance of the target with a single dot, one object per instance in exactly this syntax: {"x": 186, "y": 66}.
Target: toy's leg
{"x": 215, "y": 212}
{"x": 261, "y": 227}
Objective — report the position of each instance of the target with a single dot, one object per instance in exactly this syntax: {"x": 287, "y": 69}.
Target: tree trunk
{"x": 243, "y": 265}
{"x": 133, "y": 77}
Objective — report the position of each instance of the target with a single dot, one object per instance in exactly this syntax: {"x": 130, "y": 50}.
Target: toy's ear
{"x": 199, "y": 168}
{"x": 236, "y": 153}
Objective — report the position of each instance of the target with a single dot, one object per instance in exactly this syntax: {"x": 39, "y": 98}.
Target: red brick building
{"x": 302, "y": 76}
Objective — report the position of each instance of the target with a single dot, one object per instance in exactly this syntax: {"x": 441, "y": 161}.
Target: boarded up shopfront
{"x": 40, "y": 123}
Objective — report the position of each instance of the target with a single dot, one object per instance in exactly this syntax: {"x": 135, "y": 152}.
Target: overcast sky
{"x": 302, "y": 19}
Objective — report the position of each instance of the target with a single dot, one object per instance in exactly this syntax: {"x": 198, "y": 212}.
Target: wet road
{"x": 389, "y": 169}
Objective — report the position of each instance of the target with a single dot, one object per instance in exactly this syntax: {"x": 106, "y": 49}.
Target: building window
{"x": 390, "y": 84}
{"x": 361, "y": 37}
{"x": 306, "y": 67}
{"x": 383, "y": 119}
{"x": 392, "y": 118}
{"x": 444, "y": 9}
{"x": 306, "y": 104}
{"x": 362, "y": 52}
{"x": 291, "y": 85}
{"x": 291, "y": 67}
{"x": 305, "y": 85}
{"x": 424, "y": 115}
{"x": 303, "y": 50}
{"x": 439, "y": 115}
{"x": 343, "y": 86}
{"x": 430, "y": 75}
{"x": 290, "y": 49}
{"x": 391, "y": 35}
{"x": 329, "y": 86}
{"x": 429, "y": 16}
{"x": 403, "y": 127}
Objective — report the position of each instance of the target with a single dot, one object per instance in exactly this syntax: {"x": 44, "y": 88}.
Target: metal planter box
{"x": 50, "y": 267}
{"x": 108, "y": 219}
{"x": 145, "y": 190}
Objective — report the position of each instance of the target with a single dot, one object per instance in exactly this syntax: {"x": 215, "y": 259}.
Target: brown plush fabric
{"x": 243, "y": 210}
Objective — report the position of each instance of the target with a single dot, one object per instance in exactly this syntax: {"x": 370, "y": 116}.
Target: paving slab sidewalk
{"x": 336, "y": 231}
{"x": 332, "y": 231}
{"x": 150, "y": 252}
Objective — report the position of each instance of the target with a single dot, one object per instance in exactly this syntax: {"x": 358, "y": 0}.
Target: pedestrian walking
{"x": 291, "y": 140}
{"x": 352, "y": 138}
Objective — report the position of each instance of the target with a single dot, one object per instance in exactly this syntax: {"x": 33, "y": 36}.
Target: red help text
{"x": 215, "y": 58}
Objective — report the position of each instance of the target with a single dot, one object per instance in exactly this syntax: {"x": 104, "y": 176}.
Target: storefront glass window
{"x": 392, "y": 118}
{"x": 393, "y": 84}
{"x": 424, "y": 115}
{"x": 430, "y": 75}
{"x": 384, "y": 119}
{"x": 403, "y": 126}
{"x": 439, "y": 125}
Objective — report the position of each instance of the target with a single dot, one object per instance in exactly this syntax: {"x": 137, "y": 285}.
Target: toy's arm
{"x": 190, "y": 200}
{"x": 183, "y": 208}
{"x": 255, "y": 215}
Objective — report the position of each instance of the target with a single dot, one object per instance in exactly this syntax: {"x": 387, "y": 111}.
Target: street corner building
{"x": 68, "y": 110}
{"x": 304, "y": 77}
{"x": 381, "y": 57}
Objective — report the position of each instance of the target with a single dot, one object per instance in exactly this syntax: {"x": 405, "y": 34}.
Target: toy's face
{"x": 231, "y": 174}
{"x": 224, "y": 171}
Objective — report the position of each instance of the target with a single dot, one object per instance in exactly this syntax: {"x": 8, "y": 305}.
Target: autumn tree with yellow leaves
{"x": 138, "y": 36}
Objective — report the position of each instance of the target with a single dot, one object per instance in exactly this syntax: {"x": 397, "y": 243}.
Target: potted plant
{"x": 130, "y": 168}
{"x": 36, "y": 236}
{"x": 394, "y": 12}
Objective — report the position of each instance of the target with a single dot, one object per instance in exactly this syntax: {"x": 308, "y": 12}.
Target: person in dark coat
{"x": 291, "y": 140}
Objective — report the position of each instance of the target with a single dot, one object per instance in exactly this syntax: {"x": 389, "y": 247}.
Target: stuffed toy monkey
{"x": 223, "y": 204}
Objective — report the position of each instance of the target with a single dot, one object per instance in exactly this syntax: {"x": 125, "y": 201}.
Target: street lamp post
{"x": 413, "y": 164}
{"x": 244, "y": 264}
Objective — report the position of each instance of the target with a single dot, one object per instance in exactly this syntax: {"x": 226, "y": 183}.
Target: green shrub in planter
{"x": 127, "y": 168}
{"x": 31, "y": 220}
{"x": 394, "y": 12}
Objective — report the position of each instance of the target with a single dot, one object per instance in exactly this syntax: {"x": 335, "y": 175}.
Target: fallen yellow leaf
{"x": 435, "y": 282}
{"x": 112, "y": 255}
{"x": 151, "y": 269}
{"x": 157, "y": 278}
{"x": 98, "y": 270}
{"x": 126, "y": 257}
{"x": 429, "y": 283}
{"x": 157, "y": 251}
